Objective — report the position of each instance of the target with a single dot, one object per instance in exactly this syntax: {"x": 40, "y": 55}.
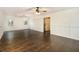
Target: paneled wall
{"x": 36, "y": 22}
{"x": 19, "y": 23}
{"x": 2, "y": 18}
{"x": 66, "y": 23}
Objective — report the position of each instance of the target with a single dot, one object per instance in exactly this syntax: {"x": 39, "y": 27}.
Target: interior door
{"x": 47, "y": 24}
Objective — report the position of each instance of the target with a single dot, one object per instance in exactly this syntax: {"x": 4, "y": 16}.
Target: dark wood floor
{"x": 33, "y": 41}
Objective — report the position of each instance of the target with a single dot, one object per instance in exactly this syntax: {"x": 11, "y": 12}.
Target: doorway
{"x": 46, "y": 25}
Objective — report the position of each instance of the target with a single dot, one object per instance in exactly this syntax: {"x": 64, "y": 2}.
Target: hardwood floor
{"x": 34, "y": 41}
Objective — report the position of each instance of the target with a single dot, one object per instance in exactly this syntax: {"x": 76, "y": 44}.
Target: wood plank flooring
{"x": 34, "y": 41}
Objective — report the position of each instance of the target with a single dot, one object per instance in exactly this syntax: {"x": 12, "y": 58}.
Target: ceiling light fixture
{"x": 37, "y": 10}
{"x": 37, "y": 13}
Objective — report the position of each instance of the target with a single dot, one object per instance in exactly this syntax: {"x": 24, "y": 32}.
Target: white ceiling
{"x": 29, "y": 10}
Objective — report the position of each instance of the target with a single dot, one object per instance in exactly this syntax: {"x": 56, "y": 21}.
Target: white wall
{"x": 2, "y": 18}
{"x": 18, "y": 23}
{"x": 36, "y": 23}
{"x": 66, "y": 23}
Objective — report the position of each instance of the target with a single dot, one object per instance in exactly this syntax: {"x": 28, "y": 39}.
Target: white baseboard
{"x": 74, "y": 38}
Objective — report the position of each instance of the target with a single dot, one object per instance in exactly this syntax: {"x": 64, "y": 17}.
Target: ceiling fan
{"x": 37, "y": 10}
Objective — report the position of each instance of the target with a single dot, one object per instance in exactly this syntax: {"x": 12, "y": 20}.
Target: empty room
{"x": 39, "y": 29}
